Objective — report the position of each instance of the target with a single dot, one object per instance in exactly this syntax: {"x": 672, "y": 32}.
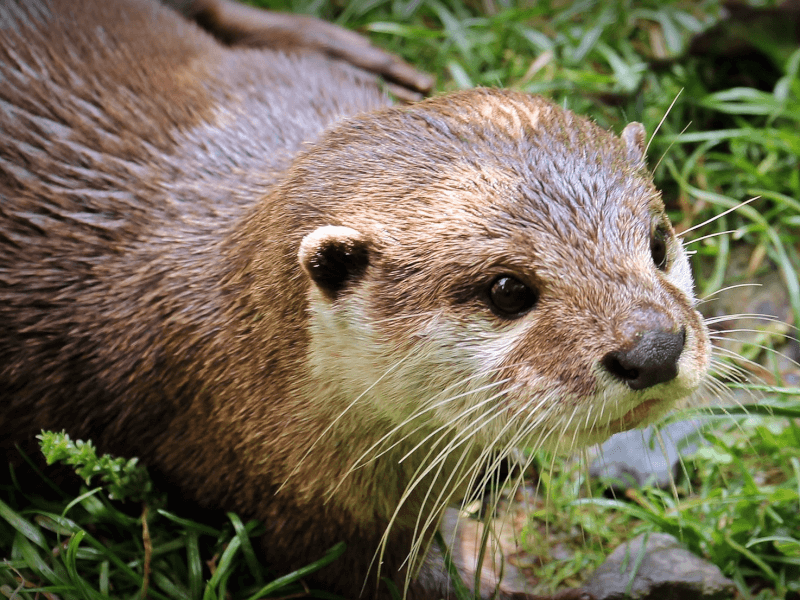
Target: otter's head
{"x": 490, "y": 264}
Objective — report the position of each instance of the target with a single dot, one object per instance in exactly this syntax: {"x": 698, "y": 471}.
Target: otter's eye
{"x": 658, "y": 247}
{"x": 510, "y": 297}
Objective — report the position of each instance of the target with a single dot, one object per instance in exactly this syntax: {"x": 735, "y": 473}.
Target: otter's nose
{"x": 651, "y": 360}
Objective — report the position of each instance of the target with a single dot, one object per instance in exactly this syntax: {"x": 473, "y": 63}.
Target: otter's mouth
{"x": 633, "y": 417}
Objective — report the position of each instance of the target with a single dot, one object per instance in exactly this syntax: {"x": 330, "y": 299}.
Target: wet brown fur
{"x": 156, "y": 187}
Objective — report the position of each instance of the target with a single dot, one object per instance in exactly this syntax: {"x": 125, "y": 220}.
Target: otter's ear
{"x": 333, "y": 257}
{"x": 634, "y": 137}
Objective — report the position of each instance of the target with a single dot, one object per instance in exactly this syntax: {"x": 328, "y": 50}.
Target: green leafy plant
{"x": 123, "y": 478}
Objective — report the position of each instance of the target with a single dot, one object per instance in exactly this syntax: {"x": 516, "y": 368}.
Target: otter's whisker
{"x": 721, "y": 335}
{"x": 758, "y": 316}
{"x": 671, "y": 144}
{"x": 738, "y": 357}
{"x": 662, "y": 445}
{"x": 718, "y": 216}
{"x": 709, "y": 236}
{"x": 734, "y": 372}
{"x": 663, "y": 119}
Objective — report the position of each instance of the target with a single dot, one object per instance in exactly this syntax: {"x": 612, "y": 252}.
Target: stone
{"x": 657, "y": 566}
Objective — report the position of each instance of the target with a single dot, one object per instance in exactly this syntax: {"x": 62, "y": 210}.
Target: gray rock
{"x": 656, "y": 566}
{"x": 636, "y": 458}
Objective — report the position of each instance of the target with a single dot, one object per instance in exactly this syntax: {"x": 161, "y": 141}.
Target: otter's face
{"x": 493, "y": 265}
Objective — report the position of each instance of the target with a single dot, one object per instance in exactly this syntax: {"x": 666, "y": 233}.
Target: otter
{"x": 295, "y": 300}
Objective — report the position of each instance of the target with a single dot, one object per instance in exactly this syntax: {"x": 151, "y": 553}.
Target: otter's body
{"x": 286, "y": 310}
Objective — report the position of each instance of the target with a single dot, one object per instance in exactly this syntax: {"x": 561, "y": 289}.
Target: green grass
{"x": 727, "y": 136}
{"x": 92, "y": 547}
{"x": 739, "y": 507}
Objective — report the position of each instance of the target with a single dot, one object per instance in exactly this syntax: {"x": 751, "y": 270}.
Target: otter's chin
{"x": 637, "y": 416}
{"x": 641, "y": 415}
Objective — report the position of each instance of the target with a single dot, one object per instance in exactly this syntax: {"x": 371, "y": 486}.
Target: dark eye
{"x": 658, "y": 247}
{"x": 510, "y": 297}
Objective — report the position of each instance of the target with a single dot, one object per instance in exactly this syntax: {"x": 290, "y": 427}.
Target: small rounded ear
{"x": 634, "y": 137}
{"x": 333, "y": 257}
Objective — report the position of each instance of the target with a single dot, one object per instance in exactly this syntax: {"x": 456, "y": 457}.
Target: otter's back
{"x": 110, "y": 109}
{"x": 130, "y": 142}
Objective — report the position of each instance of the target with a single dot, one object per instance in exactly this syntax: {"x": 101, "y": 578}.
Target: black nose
{"x": 651, "y": 360}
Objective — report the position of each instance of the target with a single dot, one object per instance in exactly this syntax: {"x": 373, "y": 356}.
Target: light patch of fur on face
{"x": 445, "y": 379}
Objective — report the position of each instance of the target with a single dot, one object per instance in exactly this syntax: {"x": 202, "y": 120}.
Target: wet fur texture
{"x": 160, "y": 198}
